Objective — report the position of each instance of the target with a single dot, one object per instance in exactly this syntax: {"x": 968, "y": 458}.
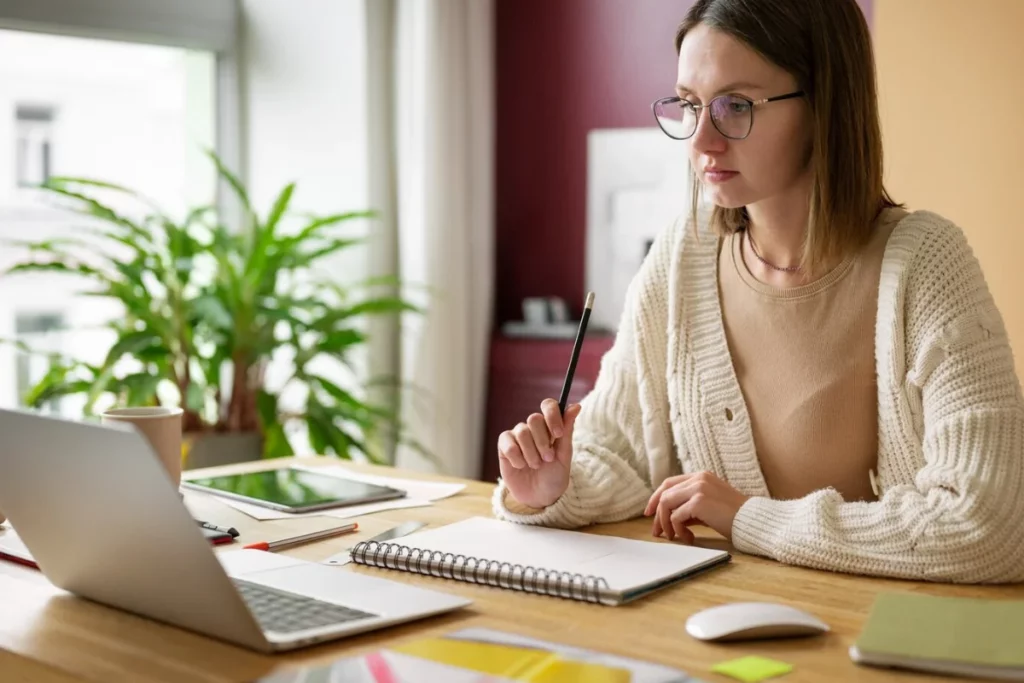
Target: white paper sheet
{"x": 418, "y": 494}
{"x": 243, "y": 561}
{"x": 261, "y": 513}
{"x": 419, "y": 490}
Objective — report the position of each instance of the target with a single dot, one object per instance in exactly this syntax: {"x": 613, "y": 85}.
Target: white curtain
{"x": 432, "y": 121}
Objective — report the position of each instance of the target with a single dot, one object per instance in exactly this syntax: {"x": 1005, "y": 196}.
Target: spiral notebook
{"x": 568, "y": 564}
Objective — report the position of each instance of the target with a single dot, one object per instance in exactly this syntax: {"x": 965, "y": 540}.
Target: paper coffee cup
{"x": 162, "y": 429}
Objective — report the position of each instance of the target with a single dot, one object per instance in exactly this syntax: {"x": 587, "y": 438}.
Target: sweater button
{"x": 728, "y": 415}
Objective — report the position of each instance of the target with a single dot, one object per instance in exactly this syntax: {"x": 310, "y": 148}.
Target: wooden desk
{"x": 51, "y": 637}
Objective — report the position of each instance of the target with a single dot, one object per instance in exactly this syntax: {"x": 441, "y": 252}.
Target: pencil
{"x": 304, "y": 538}
{"x": 575, "y": 353}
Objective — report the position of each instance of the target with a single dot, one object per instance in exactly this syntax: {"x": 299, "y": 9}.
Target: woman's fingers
{"x": 671, "y": 499}
{"x": 679, "y": 494}
{"x": 541, "y": 436}
{"x": 553, "y": 418}
{"x": 680, "y": 524}
{"x": 509, "y": 449}
{"x": 652, "y": 504}
{"x": 524, "y": 437}
{"x": 664, "y": 515}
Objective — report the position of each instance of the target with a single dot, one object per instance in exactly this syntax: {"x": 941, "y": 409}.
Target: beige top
{"x": 805, "y": 361}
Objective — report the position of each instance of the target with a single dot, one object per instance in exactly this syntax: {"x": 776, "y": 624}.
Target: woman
{"x": 811, "y": 371}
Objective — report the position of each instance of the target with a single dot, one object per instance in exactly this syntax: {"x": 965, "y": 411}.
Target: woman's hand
{"x": 535, "y": 456}
{"x": 698, "y": 498}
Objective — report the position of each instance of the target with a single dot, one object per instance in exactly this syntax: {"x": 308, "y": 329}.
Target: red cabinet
{"x": 523, "y": 372}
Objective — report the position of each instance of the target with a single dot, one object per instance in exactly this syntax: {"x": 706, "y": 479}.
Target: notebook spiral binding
{"x": 480, "y": 571}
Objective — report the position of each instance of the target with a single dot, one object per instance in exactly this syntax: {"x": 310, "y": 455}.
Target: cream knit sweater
{"x": 950, "y": 473}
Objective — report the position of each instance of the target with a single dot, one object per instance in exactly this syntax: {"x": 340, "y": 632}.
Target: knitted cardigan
{"x": 950, "y": 472}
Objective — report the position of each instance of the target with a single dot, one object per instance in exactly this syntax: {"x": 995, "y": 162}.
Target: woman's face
{"x": 774, "y": 158}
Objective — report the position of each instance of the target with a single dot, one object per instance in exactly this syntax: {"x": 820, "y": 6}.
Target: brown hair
{"x": 826, "y": 46}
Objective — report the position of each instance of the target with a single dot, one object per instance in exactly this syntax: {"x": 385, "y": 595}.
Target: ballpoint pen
{"x": 304, "y": 538}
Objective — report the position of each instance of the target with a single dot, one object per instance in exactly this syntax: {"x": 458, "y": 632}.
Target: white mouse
{"x": 749, "y": 620}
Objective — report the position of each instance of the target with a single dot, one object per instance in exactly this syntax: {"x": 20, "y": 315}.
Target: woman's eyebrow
{"x": 735, "y": 85}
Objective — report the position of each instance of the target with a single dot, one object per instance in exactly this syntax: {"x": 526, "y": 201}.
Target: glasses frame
{"x": 698, "y": 110}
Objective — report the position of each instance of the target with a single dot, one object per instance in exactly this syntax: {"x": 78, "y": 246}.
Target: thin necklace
{"x": 753, "y": 248}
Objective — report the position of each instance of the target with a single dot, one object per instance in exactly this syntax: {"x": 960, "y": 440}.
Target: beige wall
{"x": 951, "y": 82}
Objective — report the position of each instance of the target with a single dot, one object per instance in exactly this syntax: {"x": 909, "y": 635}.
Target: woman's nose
{"x": 707, "y": 138}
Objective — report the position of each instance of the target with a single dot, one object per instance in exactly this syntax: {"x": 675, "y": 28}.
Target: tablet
{"x": 293, "y": 490}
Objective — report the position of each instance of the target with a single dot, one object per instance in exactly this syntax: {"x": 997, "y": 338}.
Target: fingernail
{"x": 549, "y": 456}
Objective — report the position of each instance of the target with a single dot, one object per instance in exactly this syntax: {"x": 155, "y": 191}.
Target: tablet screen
{"x": 294, "y": 489}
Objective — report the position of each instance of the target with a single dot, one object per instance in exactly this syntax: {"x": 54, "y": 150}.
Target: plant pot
{"x": 211, "y": 449}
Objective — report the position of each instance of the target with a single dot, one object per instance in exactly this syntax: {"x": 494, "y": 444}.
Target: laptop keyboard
{"x": 283, "y": 612}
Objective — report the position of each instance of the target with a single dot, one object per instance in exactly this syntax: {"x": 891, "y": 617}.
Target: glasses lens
{"x": 732, "y": 116}
{"x": 676, "y": 118}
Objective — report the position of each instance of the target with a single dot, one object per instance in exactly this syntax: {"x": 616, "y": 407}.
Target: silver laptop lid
{"x": 103, "y": 520}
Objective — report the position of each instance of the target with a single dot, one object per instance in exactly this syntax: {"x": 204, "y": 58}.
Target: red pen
{"x": 280, "y": 544}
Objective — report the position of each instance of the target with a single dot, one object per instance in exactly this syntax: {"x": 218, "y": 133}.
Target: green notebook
{"x": 958, "y": 636}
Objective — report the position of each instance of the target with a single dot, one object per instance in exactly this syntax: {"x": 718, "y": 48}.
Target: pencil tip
{"x": 590, "y": 301}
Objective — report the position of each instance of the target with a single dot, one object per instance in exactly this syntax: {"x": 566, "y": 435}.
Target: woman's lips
{"x": 718, "y": 175}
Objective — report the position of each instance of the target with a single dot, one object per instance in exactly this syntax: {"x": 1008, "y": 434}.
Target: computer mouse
{"x": 751, "y": 620}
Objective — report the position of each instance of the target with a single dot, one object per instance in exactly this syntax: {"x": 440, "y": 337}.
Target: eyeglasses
{"x": 732, "y": 115}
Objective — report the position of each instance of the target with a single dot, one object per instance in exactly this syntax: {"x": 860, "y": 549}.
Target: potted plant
{"x": 206, "y": 310}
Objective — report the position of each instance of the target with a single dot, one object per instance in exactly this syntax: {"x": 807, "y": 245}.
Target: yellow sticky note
{"x": 518, "y": 663}
{"x": 752, "y": 669}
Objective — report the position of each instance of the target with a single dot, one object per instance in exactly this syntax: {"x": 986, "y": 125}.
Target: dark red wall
{"x": 563, "y": 68}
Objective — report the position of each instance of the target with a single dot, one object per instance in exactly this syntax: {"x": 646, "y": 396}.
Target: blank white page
{"x": 624, "y": 563}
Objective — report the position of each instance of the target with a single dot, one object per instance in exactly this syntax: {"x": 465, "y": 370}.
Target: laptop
{"x": 102, "y": 519}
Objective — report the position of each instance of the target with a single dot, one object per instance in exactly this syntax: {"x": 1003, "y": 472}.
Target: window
{"x": 33, "y": 127}
{"x": 136, "y": 115}
{"x": 41, "y": 331}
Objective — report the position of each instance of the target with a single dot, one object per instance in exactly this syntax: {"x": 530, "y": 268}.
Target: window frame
{"x": 212, "y": 25}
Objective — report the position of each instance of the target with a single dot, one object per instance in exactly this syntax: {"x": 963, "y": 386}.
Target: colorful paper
{"x": 515, "y": 663}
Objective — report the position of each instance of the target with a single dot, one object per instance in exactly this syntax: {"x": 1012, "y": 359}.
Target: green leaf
{"x": 233, "y": 181}
{"x": 277, "y": 211}
{"x": 139, "y": 389}
{"x": 195, "y": 397}
{"x": 98, "y": 387}
{"x": 50, "y": 386}
{"x": 306, "y": 259}
{"x": 275, "y": 441}
{"x": 132, "y": 343}
{"x": 94, "y": 208}
{"x": 257, "y": 270}
{"x": 350, "y": 407}
{"x": 57, "y": 267}
{"x": 379, "y": 306}
{"x": 317, "y": 224}
{"x": 211, "y": 310}
{"x": 23, "y": 347}
{"x": 339, "y": 340}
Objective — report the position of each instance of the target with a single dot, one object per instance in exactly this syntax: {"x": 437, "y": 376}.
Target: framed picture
{"x": 638, "y": 182}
